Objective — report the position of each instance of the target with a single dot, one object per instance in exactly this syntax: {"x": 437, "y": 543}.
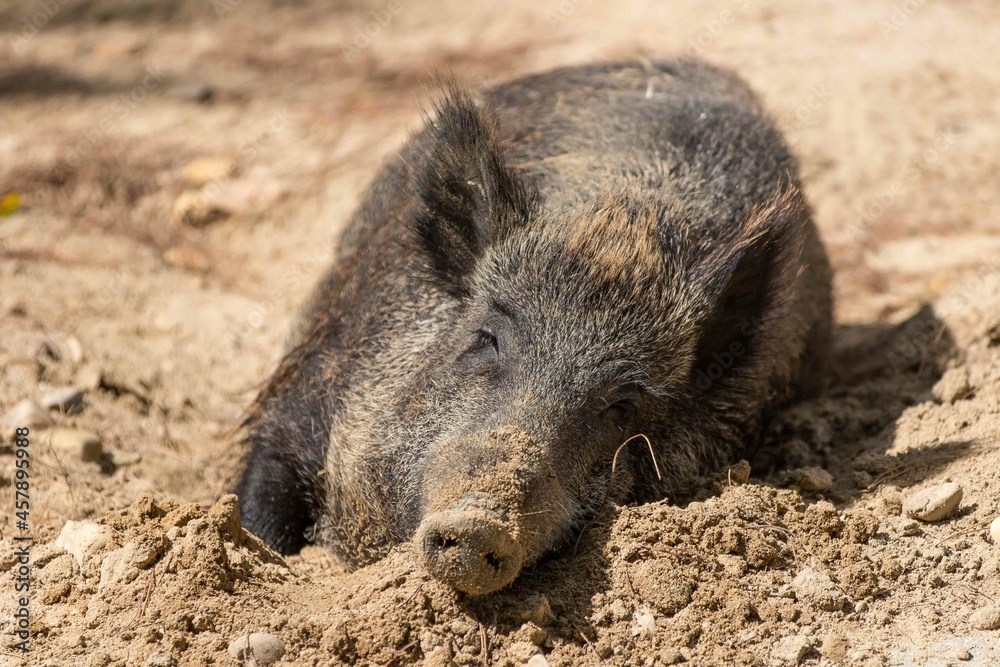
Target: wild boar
{"x": 546, "y": 269}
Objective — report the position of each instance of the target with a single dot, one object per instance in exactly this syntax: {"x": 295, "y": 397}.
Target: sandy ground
{"x": 162, "y": 285}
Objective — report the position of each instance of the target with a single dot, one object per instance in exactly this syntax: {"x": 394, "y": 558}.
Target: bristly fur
{"x": 466, "y": 196}
{"x": 567, "y": 259}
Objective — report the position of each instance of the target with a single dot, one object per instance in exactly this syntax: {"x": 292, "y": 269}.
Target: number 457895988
{"x": 22, "y": 485}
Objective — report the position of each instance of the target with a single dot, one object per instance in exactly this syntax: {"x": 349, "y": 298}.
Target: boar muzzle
{"x": 491, "y": 505}
{"x": 469, "y": 546}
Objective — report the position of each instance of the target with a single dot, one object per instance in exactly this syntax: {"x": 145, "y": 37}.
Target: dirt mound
{"x": 747, "y": 574}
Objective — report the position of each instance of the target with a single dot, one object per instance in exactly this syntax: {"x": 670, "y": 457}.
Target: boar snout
{"x": 492, "y": 505}
{"x": 470, "y": 547}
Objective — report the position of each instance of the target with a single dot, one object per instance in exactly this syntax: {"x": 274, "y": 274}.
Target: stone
{"x": 909, "y": 528}
{"x": 791, "y": 650}
{"x": 68, "y": 400}
{"x": 161, "y": 660}
{"x": 122, "y": 459}
{"x": 118, "y": 568}
{"x": 934, "y": 503}
{"x": 196, "y": 209}
{"x": 207, "y": 170}
{"x": 80, "y": 444}
{"x": 818, "y": 590}
{"x": 26, "y": 413}
{"x": 262, "y": 647}
{"x": 813, "y": 480}
{"x": 82, "y": 539}
{"x": 89, "y": 376}
{"x": 995, "y": 531}
{"x": 537, "y": 660}
{"x": 645, "y": 623}
{"x": 439, "y": 656}
{"x": 835, "y": 647}
{"x": 537, "y": 609}
{"x": 986, "y": 618}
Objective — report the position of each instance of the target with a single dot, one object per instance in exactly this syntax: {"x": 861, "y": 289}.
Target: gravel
{"x": 934, "y": 503}
{"x": 262, "y": 647}
{"x": 26, "y": 413}
{"x": 65, "y": 399}
{"x": 77, "y": 443}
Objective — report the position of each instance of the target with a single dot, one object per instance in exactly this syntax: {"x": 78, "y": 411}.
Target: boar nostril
{"x": 472, "y": 551}
{"x": 493, "y": 560}
{"x": 443, "y": 542}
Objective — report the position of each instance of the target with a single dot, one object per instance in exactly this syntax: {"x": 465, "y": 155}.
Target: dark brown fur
{"x": 581, "y": 256}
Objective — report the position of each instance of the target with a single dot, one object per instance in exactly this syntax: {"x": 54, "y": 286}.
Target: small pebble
{"x": 194, "y": 208}
{"x": 439, "y": 656}
{"x": 206, "y": 170}
{"x": 645, "y": 623}
{"x": 817, "y": 589}
{"x": 120, "y": 459}
{"x": 75, "y": 349}
{"x": 934, "y": 503}
{"x": 909, "y": 528}
{"x": 83, "y": 539}
{"x": 265, "y": 648}
{"x": 995, "y": 530}
{"x": 987, "y": 618}
{"x": 89, "y": 377}
{"x": 200, "y": 622}
{"x": 813, "y": 480}
{"x": 537, "y": 609}
{"x": 26, "y": 413}
{"x": 161, "y": 660}
{"x": 791, "y": 650}
{"x": 963, "y": 654}
{"x": 68, "y": 400}
{"x": 537, "y": 660}
{"x": 536, "y": 635}
{"x": 80, "y": 444}
{"x": 835, "y": 647}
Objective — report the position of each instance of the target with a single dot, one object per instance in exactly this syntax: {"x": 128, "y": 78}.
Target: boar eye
{"x": 486, "y": 346}
{"x": 623, "y": 406}
{"x": 619, "y": 411}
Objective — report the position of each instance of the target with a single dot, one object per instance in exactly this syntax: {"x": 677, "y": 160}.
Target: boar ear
{"x": 467, "y": 196}
{"x": 748, "y": 280}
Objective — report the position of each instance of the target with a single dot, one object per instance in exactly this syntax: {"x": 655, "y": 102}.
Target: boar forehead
{"x": 600, "y": 284}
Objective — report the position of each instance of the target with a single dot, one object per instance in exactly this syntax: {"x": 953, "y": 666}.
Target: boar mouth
{"x": 472, "y": 550}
